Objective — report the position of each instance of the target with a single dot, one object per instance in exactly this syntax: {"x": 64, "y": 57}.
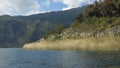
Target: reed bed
{"x": 91, "y": 43}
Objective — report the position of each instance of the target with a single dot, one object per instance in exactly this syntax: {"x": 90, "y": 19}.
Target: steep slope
{"x": 98, "y": 29}
{"x": 17, "y": 30}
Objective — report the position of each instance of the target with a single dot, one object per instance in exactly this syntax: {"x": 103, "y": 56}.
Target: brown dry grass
{"x": 91, "y": 43}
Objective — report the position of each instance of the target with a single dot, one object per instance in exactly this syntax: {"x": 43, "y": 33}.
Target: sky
{"x": 29, "y": 7}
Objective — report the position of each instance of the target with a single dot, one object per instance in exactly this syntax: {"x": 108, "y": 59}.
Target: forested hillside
{"x": 97, "y": 29}
{"x": 99, "y": 19}
{"x": 17, "y": 30}
{"x": 99, "y": 16}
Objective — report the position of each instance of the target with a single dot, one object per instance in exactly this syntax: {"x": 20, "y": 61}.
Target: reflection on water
{"x": 19, "y": 58}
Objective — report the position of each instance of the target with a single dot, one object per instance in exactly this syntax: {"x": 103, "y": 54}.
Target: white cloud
{"x": 57, "y": 0}
{"x": 46, "y": 3}
{"x": 28, "y": 7}
{"x": 74, "y": 3}
{"x": 19, "y": 7}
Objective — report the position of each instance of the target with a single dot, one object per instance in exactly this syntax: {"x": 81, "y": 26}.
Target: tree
{"x": 59, "y": 28}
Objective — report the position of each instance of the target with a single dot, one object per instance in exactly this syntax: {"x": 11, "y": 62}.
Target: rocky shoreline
{"x": 106, "y": 40}
{"x": 71, "y": 33}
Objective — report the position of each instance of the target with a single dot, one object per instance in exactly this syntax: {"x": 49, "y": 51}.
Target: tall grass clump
{"x": 91, "y": 43}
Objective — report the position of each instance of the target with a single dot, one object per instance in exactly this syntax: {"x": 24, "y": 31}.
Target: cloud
{"x": 28, "y": 7}
{"x": 57, "y": 0}
{"x": 46, "y": 3}
{"x": 74, "y": 3}
{"x": 19, "y": 7}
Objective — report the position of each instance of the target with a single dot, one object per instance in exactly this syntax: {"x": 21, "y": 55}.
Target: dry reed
{"x": 91, "y": 43}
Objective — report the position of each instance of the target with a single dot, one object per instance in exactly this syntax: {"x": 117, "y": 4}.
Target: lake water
{"x": 20, "y": 58}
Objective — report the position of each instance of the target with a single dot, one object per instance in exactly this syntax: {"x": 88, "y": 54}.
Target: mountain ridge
{"x": 18, "y": 30}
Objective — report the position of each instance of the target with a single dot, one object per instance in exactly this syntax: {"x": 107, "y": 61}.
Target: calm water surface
{"x": 20, "y": 58}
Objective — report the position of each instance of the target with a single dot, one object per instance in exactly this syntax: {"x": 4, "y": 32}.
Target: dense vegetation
{"x": 95, "y": 21}
{"x": 58, "y": 29}
{"x": 99, "y": 16}
{"x": 18, "y": 30}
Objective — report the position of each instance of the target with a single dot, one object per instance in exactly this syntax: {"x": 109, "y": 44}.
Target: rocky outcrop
{"x": 114, "y": 31}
